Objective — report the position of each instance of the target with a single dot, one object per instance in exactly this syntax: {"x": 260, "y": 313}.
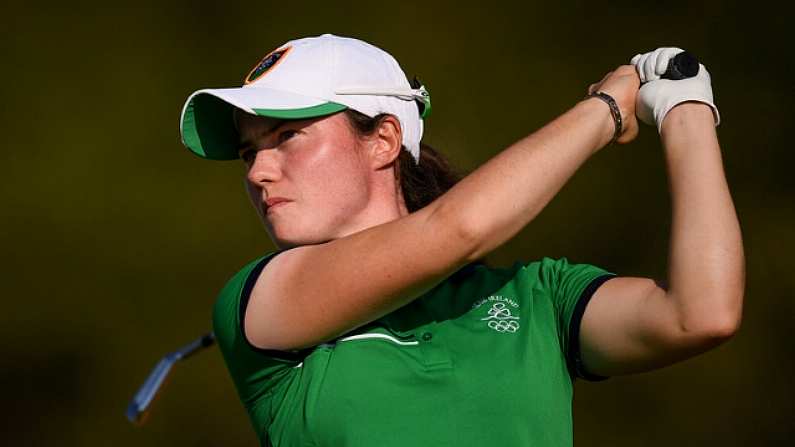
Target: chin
{"x": 285, "y": 240}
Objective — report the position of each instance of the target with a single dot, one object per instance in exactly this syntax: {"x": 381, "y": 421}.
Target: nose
{"x": 264, "y": 168}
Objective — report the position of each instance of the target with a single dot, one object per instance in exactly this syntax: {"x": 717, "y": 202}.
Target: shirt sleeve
{"x": 255, "y": 372}
{"x": 571, "y": 288}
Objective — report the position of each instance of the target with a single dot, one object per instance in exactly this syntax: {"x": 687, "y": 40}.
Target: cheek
{"x": 333, "y": 176}
{"x": 326, "y": 163}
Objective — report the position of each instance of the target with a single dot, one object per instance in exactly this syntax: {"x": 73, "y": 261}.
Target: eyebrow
{"x": 247, "y": 143}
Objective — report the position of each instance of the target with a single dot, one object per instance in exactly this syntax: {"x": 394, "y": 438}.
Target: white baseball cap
{"x": 307, "y": 78}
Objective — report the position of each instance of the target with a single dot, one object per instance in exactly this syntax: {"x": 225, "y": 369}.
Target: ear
{"x": 385, "y": 143}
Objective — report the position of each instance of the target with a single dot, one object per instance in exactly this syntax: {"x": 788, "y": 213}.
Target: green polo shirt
{"x": 487, "y": 357}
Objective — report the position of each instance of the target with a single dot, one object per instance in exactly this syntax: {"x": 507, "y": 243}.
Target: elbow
{"x": 711, "y": 330}
{"x": 717, "y": 332}
{"x": 463, "y": 234}
{"x": 469, "y": 238}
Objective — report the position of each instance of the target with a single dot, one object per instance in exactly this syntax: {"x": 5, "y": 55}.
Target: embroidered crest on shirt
{"x": 499, "y": 317}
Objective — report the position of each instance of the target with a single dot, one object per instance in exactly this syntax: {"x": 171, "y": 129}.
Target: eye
{"x": 248, "y": 155}
{"x": 286, "y": 135}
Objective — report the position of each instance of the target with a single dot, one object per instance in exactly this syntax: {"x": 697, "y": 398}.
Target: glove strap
{"x": 614, "y": 110}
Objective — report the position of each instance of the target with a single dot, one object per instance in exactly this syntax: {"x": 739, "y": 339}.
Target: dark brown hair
{"x": 421, "y": 183}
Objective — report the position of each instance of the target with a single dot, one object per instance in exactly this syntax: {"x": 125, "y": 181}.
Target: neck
{"x": 385, "y": 204}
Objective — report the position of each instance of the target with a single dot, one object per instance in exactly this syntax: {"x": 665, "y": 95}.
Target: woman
{"x": 374, "y": 325}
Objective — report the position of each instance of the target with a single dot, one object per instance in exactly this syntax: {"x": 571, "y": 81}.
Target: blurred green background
{"x": 117, "y": 238}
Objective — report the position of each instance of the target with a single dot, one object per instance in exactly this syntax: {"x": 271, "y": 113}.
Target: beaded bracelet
{"x": 614, "y": 110}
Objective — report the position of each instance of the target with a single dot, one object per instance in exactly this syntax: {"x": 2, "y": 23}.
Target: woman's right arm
{"x": 312, "y": 294}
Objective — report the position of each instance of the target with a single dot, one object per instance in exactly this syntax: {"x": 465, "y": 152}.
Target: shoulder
{"x": 546, "y": 271}
{"x": 521, "y": 273}
{"x": 556, "y": 272}
{"x": 227, "y": 304}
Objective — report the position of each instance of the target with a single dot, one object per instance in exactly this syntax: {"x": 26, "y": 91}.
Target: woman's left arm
{"x": 633, "y": 324}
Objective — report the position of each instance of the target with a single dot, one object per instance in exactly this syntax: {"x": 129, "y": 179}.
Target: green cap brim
{"x": 208, "y": 127}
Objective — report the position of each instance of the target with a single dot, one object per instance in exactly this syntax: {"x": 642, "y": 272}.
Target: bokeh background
{"x": 116, "y": 239}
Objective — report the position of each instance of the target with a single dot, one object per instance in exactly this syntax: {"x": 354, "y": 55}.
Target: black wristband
{"x": 614, "y": 110}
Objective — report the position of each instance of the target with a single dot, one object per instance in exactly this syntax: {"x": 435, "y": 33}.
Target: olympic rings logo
{"x": 500, "y": 318}
{"x": 504, "y": 326}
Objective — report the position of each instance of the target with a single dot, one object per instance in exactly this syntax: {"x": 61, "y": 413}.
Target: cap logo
{"x": 266, "y": 64}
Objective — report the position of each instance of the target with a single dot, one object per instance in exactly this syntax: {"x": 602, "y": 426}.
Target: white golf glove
{"x": 658, "y": 96}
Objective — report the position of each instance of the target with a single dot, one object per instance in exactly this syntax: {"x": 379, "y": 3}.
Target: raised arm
{"x": 334, "y": 287}
{"x": 634, "y": 324}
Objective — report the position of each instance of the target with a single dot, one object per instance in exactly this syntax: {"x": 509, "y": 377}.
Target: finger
{"x": 635, "y": 59}
{"x": 640, "y": 65}
{"x": 664, "y": 59}
{"x": 635, "y": 64}
{"x": 649, "y": 64}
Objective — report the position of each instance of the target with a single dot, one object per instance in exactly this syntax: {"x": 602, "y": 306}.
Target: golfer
{"x": 373, "y": 324}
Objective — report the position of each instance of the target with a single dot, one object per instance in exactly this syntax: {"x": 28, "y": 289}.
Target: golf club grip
{"x": 683, "y": 65}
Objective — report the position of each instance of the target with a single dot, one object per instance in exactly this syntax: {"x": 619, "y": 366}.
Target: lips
{"x": 275, "y": 201}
